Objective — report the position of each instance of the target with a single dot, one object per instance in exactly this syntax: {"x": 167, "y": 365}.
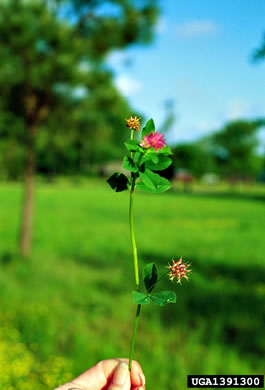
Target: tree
{"x": 235, "y": 149}
{"x": 194, "y": 157}
{"x": 51, "y": 50}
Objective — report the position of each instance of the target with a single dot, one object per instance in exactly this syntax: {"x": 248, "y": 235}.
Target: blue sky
{"x": 201, "y": 59}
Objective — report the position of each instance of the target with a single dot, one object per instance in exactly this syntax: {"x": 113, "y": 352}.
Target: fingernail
{"x": 142, "y": 379}
{"x": 121, "y": 373}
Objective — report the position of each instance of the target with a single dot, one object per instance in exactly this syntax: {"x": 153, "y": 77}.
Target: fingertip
{"x": 137, "y": 375}
{"x": 121, "y": 379}
{"x": 142, "y": 378}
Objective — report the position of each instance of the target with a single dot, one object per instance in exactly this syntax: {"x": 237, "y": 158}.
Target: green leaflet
{"x": 163, "y": 162}
{"x": 118, "y": 182}
{"x": 166, "y": 150}
{"x": 150, "y": 276}
{"x": 140, "y": 298}
{"x": 149, "y": 127}
{"x": 129, "y": 164}
{"x": 133, "y": 146}
{"x": 153, "y": 182}
{"x": 162, "y": 298}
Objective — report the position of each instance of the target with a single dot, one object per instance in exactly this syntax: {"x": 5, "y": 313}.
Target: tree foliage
{"x": 53, "y": 77}
{"x": 235, "y": 149}
{"x": 57, "y": 97}
{"x": 231, "y": 152}
{"x": 194, "y": 157}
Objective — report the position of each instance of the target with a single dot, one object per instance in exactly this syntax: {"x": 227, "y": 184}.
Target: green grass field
{"x": 70, "y": 305}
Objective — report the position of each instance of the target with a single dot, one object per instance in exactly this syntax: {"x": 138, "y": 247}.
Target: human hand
{"x": 111, "y": 374}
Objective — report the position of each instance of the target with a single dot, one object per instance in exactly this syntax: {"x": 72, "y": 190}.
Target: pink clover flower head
{"x": 153, "y": 140}
{"x": 179, "y": 269}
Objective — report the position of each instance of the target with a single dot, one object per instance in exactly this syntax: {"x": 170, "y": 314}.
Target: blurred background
{"x": 71, "y": 72}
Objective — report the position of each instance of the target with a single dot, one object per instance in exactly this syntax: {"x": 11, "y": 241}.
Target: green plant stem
{"x": 133, "y": 241}
{"x": 131, "y": 140}
{"x": 138, "y": 311}
{"x": 135, "y": 263}
{"x": 136, "y": 269}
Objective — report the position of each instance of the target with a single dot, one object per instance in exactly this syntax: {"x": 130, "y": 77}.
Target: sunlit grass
{"x": 72, "y": 300}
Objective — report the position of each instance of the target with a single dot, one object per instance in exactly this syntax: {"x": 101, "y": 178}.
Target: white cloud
{"x": 236, "y": 109}
{"x": 127, "y": 85}
{"x": 194, "y": 28}
{"x": 188, "y": 130}
{"x": 207, "y": 126}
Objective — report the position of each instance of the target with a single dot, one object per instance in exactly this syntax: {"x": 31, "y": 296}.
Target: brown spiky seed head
{"x": 179, "y": 269}
{"x": 133, "y": 123}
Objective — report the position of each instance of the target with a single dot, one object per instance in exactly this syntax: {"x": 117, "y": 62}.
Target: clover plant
{"x": 146, "y": 157}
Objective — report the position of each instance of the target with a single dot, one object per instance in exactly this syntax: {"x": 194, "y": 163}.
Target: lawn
{"x": 70, "y": 304}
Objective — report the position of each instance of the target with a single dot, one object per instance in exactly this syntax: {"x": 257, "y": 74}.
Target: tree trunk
{"x": 25, "y": 241}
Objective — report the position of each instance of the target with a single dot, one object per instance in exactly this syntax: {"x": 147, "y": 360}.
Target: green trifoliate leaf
{"x": 149, "y": 127}
{"x": 162, "y": 298}
{"x": 140, "y": 298}
{"x": 129, "y": 164}
{"x": 150, "y": 276}
{"x": 162, "y": 163}
{"x": 133, "y": 146}
{"x": 153, "y": 182}
{"x": 118, "y": 182}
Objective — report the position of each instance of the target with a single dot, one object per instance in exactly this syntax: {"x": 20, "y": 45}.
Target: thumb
{"x": 121, "y": 379}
